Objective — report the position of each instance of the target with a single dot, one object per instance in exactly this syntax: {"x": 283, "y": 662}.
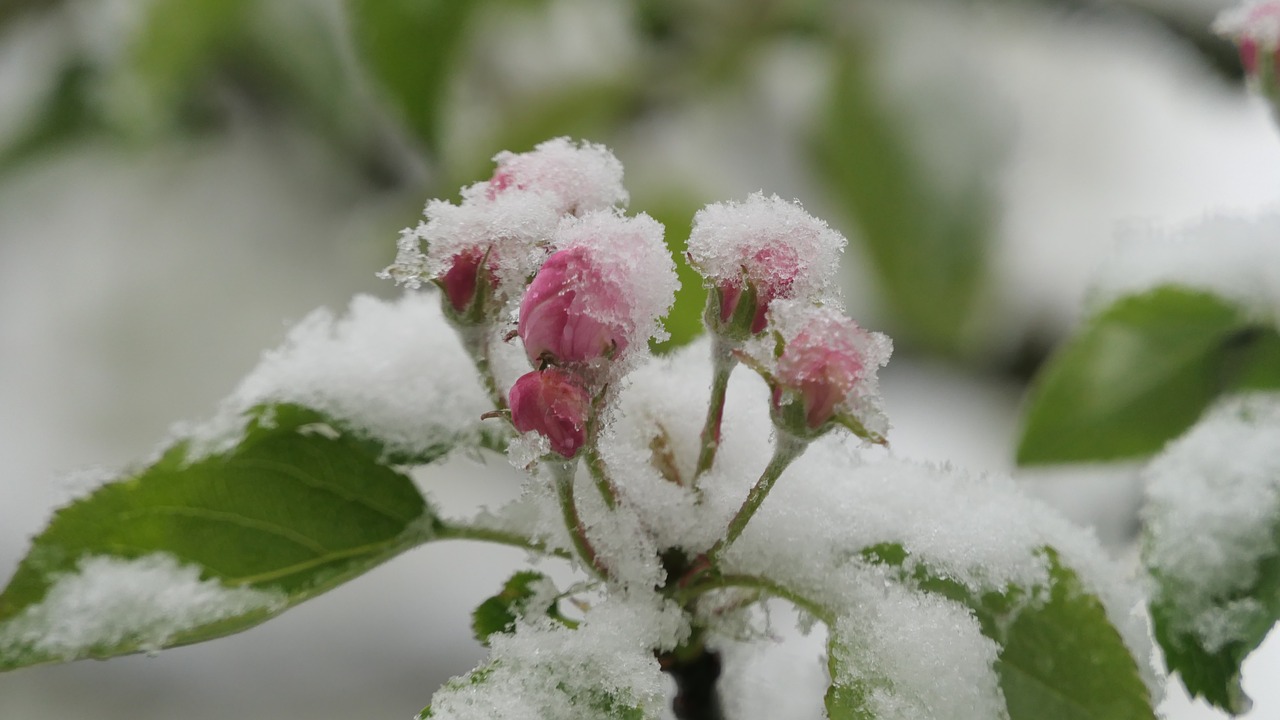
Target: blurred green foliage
{"x": 415, "y": 96}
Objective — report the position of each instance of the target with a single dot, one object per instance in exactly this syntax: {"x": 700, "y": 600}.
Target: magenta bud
{"x": 565, "y": 314}
{"x": 554, "y": 404}
{"x": 460, "y": 281}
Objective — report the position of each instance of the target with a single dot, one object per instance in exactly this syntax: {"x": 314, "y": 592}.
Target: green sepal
{"x": 500, "y": 613}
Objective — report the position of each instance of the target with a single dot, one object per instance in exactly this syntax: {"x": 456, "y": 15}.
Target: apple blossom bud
{"x": 571, "y": 312}
{"x": 1255, "y": 29}
{"x": 577, "y": 177}
{"x": 553, "y": 403}
{"x": 821, "y": 368}
{"x": 756, "y": 252}
{"x": 468, "y": 283}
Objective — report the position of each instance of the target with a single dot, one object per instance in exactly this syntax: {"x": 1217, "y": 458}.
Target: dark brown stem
{"x": 696, "y": 675}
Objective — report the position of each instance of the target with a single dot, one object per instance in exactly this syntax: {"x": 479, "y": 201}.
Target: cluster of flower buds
{"x": 1255, "y": 29}
{"x": 597, "y": 297}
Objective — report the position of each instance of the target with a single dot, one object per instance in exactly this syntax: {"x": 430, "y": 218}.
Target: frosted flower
{"x": 758, "y": 251}
{"x": 508, "y": 234}
{"x": 578, "y": 178}
{"x": 554, "y": 404}
{"x": 600, "y": 293}
{"x": 822, "y": 368}
{"x": 1255, "y": 29}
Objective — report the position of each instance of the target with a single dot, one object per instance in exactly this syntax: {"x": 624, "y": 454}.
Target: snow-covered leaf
{"x": 520, "y": 595}
{"x": 1140, "y": 373}
{"x": 197, "y": 547}
{"x": 1060, "y": 658}
{"x": 1213, "y": 545}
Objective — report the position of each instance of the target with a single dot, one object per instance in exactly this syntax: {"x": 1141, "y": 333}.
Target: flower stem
{"x": 600, "y": 473}
{"x": 723, "y": 362}
{"x": 564, "y": 473}
{"x": 787, "y": 449}
{"x": 462, "y": 531}
{"x": 754, "y": 582}
{"x": 475, "y": 339}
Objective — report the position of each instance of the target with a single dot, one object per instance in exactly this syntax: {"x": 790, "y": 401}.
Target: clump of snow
{"x": 1235, "y": 257}
{"x": 916, "y": 655}
{"x": 513, "y": 229}
{"x": 1211, "y": 518}
{"x": 111, "y": 602}
{"x": 629, "y": 255}
{"x": 775, "y": 243}
{"x": 392, "y": 370}
{"x": 579, "y": 177}
{"x": 545, "y": 670}
{"x": 979, "y": 530}
{"x": 652, "y": 441}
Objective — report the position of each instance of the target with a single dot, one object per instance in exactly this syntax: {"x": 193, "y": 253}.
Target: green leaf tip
{"x": 1139, "y": 373}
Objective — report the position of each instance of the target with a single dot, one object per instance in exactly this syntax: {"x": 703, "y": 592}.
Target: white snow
{"x": 1257, "y": 21}
{"x": 1236, "y": 257}
{"x": 1212, "y": 514}
{"x": 112, "y": 602}
{"x": 547, "y": 672}
{"x": 580, "y": 177}
{"x": 393, "y": 370}
{"x": 773, "y": 240}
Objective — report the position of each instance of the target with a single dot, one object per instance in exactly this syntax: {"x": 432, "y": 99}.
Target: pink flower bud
{"x": 822, "y": 370}
{"x": 463, "y": 278}
{"x": 1255, "y": 28}
{"x": 767, "y": 246}
{"x": 573, "y": 313}
{"x": 554, "y": 404}
{"x": 769, "y": 285}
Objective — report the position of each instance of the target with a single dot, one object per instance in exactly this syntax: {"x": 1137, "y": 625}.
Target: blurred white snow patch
{"x": 778, "y": 674}
{"x": 915, "y": 655}
{"x": 1236, "y": 257}
{"x": 109, "y": 601}
{"x": 545, "y": 670}
{"x": 1213, "y": 503}
{"x": 393, "y": 370}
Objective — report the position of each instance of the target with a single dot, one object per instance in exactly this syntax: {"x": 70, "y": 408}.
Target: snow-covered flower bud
{"x": 822, "y": 368}
{"x": 600, "y": 293}
{"x": 578, "y": 178}
{"x": 570, "y": 312}
{"x": 1255, "y": 29}
{"x": 553, "y": 403}
{"x": 755, "y": 252}
{"x": 477, "y": 252}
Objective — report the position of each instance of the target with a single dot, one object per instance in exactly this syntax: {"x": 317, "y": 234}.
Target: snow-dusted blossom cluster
{"x": 1254, "y": 27}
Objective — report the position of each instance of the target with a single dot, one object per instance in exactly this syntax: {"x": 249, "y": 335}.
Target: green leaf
{"x": 1215, "y": 674}
{"x": 1060, "y": 658}
{"x": 410, "y": 48}
{"x": 499, "y": 613}
{"x": 928, "y": 247}
{"x": 194, "y": 548}
{"x": 1140, "y": 373}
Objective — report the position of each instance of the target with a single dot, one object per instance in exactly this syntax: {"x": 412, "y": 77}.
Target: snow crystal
{"x": 630, "y": 255}
{"x": 545, "y": 670}
{"x": 776, "y": 242}
{"x": 112, "y": 602}
{"x": 580, "y": 178}
{"x": 1214, "y": 496}
{"x": 393, "y": 370}
{"x": 1235, "y": 257}
{"x": 918, "y": 655}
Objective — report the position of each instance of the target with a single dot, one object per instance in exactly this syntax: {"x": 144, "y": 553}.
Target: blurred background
{"x": 180, "y": 180}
